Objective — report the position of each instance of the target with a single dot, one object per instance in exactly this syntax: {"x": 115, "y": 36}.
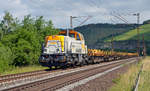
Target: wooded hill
{"x": 99, "y": 36}
{"x": 131, "y": 36}
{"x": 94, "y": 33}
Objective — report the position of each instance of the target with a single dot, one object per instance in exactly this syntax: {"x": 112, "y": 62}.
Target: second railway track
{"x": 17, "y": 76}
{"x": 60, "y": 81}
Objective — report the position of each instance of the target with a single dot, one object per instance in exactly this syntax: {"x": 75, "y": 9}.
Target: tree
{"x": 5, "y": 57}
{"x": 146, "y": 22}
{"x": 40, "y": 23}
{"x": 1, "y": 34}
{"x": 7, "y": 22}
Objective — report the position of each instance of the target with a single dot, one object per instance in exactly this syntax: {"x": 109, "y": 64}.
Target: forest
{"x": 94, "y": 33}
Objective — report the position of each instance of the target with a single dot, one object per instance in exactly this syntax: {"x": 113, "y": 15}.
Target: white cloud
{"x": 16, "y": 7}
{"x": 60, "y": 10}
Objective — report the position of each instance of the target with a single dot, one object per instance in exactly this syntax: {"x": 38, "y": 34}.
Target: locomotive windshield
{"x": 78, "y": 38}
{"x": 73, "y": 34}
{"x": 64, "y": 34}
{"x": 70, "y": 34}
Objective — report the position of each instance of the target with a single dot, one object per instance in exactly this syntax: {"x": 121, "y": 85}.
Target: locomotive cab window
{"x": 78, "y": 38}
{"x": 64, "y": 34}
{"x": 72, "y": 35}
{"x": 81, "y": 36}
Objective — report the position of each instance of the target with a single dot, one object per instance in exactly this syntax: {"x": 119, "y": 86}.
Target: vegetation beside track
{"x": 144, "y": 81}
{"x": 126, "y": 81}
{"x": 21, "y": 40}
{"x": 23, "y": 69}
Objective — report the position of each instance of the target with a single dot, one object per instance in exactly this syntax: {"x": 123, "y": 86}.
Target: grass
{"x": 126, "y": 81}
{"x": 23, "y": 69}
{"x": 132, "y": 34}
{"x": 144, "y": 81}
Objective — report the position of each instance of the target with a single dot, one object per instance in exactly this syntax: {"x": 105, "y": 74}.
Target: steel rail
{"x": 38, "y": 83}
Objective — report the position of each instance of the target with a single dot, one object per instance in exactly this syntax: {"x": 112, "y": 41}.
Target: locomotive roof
{"x": 70, "y": 31}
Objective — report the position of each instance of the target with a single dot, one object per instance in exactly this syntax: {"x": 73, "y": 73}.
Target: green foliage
{"x": 146, "y": 22}
{"x": 99, "y": 32}
{"x": 30, "y": 68}
{"x": 132, "y": 34}
{"x": 116, "y": 80}
{"x": 22, "y": 46}
{"x": 126, "y": 81}
{"x": 5, "y": 57}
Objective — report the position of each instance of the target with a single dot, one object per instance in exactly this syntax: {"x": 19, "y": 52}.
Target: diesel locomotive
{"x": 67, "y": 48}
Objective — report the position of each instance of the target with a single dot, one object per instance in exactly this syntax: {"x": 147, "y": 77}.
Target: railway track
{"x": 17, "y": 76}
{"x": 60, "y": 81}
{"x": 14, "y": 77}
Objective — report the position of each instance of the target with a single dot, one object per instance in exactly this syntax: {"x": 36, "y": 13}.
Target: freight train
{"x": 68, "y": 49}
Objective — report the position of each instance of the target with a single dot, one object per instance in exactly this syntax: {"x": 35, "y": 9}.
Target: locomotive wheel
{"x": 50, "y": 68}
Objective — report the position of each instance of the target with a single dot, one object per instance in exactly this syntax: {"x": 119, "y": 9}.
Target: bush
{"x": 5, "y": 58}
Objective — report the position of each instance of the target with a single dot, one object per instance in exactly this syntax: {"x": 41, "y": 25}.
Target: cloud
{"x": 59, "y": 11}
{"x": 13, "y": 6}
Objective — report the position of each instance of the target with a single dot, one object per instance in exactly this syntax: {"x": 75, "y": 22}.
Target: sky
{"x": 59, "y": 11}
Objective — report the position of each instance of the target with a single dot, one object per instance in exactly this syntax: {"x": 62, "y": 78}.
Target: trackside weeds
{"x": 17, "y": 70}
{"x": 144, "y": 82}
{"x": 126, "y": 81}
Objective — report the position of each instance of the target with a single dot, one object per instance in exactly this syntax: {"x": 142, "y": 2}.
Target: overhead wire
{"x": 121, "y": 17}
{"x": 118, "y": 16}
{"x": 94, "y": 3}
{"x": 85, "y": 20}
{"x": 82, "y": 22}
